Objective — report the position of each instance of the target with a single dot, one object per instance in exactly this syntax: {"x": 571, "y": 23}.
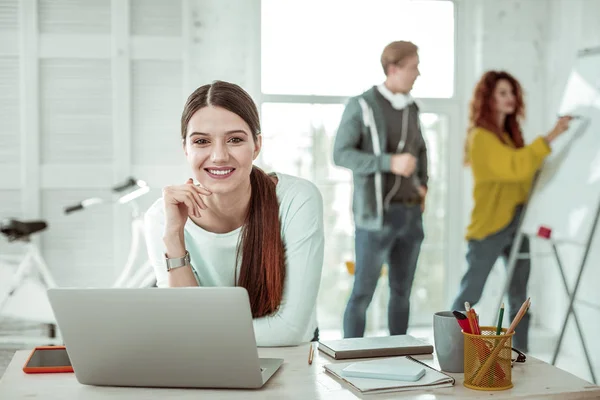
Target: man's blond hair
{"x": 396, "y": 53}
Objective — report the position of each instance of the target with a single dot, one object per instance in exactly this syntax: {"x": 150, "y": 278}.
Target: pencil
{"x": 475, "y": 321}
{"x": 311, "y": 354}
{"x": 519, "y": 315}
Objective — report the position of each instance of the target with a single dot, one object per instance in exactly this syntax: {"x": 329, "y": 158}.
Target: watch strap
{"x": 177, "y": 262}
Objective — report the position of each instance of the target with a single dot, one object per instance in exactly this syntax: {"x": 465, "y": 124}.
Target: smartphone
{"x": 45, "y": 359}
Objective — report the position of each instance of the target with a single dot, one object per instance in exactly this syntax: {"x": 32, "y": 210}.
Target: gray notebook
{"x": 381, "y": 346}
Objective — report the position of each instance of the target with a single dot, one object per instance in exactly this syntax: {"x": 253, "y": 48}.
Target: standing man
{"x": 380, "y": 140}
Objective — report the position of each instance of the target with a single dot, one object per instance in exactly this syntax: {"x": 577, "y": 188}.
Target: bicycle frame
{"x": 132, "y": 275}
{"x": 144, "y": 276}
{"x": 32, "y": 261}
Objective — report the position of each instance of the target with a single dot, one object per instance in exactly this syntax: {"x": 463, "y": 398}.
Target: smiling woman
{"x": 231, "y": 224}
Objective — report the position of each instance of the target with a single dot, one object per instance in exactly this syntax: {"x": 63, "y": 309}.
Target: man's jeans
{"x": 398, "y": 244}
{"x": 481, "y": 257}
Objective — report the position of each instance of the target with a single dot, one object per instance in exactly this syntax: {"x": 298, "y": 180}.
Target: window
{"x": 333, "y": 47}
{"x": 311, "y": 63}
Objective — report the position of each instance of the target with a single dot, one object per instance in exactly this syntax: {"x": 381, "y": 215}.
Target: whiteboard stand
{"x": 574, "y": 293}
{"x": 512, "y": 262}
{"x": 511, "y": 265}
{"x": 571, "y": 310}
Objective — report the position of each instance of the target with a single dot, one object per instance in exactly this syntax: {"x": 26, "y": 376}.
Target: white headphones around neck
{"x": 397, "y": 100}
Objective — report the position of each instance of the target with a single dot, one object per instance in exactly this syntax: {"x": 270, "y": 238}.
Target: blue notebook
{"x": 396, "y": 369}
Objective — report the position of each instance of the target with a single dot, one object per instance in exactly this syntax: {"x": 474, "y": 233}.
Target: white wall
{"x": 225, "y": 43}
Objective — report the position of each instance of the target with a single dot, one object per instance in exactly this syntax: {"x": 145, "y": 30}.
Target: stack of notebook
{"x": 388, "y": 374}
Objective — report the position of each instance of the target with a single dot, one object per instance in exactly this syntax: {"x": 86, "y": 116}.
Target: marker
{"x": 572, "y": 116}
{"x": 500, "y": 316}
{"x": 463, "y": 321}
{"x": 459, "y": 316}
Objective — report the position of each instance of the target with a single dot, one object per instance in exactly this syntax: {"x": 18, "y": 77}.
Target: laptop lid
{"x": 167, "y": 337}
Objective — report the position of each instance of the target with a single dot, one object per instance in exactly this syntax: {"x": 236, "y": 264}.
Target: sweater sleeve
{"x": 492, "y": 160}
{"x": 303, "y": 237}
{"x": 346, "y": 146}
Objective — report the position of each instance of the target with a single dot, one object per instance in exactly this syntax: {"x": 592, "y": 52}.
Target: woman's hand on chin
{"x": 182, "y": 201}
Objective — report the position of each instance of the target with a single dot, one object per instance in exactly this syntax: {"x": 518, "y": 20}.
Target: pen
{"x": 311, "y": 354}
{"x": 500, "y": 316}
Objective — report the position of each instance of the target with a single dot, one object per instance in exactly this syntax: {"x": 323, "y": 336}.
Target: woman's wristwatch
{"x": 178, "y": 262}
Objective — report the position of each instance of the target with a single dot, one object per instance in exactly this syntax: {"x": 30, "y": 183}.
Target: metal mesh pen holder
{"x": 488, "y": 360}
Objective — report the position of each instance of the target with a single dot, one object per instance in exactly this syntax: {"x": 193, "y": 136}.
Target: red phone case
{"x": 41, "y": 370}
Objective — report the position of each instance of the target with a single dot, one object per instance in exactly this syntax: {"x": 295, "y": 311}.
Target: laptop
{"x": 161, "y": 337}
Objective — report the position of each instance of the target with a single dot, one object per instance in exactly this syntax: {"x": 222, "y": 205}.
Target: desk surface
{"x": 297, "y": 380}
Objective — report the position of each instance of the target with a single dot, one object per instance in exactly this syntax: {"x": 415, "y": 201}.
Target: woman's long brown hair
{"x": 482, "y": 109}
{"x": 262, "y": 254}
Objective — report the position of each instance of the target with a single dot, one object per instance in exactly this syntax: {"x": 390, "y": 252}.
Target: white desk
{"x": 297, "y": 380}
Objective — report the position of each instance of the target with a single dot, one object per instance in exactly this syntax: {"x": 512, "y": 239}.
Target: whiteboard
{"x": 566, "y": 194}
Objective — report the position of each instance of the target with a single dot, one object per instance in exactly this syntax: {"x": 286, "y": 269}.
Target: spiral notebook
{"x": 430, "y": 380}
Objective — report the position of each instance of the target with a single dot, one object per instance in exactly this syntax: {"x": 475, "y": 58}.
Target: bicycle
{"x": 134, "y": 274}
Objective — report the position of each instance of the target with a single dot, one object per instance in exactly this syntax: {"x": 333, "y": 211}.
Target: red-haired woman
{"x": 503, "y": 168}
{"x": 239, "y": 226}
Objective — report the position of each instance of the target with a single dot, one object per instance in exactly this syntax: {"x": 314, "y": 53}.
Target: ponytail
{"x": 262, "y": 253}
